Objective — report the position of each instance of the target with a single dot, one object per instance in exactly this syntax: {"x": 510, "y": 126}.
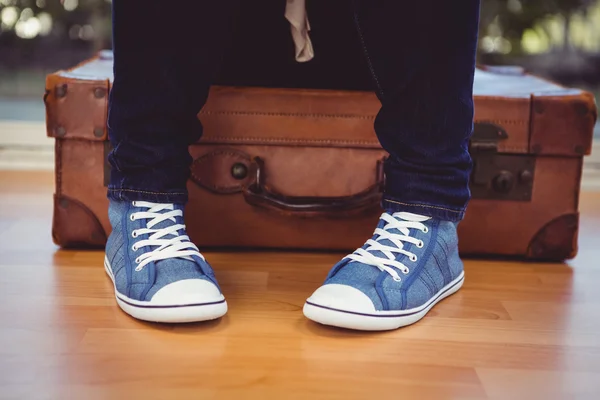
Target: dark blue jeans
{"x": 421, "y": 55}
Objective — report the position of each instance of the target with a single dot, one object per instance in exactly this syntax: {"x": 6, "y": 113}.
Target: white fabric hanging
{"x": 295, "y": 13}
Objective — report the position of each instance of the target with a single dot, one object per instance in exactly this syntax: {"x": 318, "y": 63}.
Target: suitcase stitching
{"x": 258, "y": 139}
{"x": 338, "y": 116}
{"x": 231, "y": 189}
{"x": 284, "y": 114}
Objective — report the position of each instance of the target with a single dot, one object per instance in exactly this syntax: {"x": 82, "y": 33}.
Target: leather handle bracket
{"x": 259, "y": 194}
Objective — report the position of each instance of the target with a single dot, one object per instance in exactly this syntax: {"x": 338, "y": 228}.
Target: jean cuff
{"x": 430, "y": 210}
{"x": 125, "y": 194}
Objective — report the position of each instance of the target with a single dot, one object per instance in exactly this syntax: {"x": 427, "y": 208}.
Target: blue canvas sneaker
{"x": 409, "y": 265}
{"x": 158, "y": 274}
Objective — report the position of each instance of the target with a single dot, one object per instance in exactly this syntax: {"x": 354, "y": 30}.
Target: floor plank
{"x": 516, "y": 330}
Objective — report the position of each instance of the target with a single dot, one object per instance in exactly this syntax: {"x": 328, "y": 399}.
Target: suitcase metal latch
{"x": 498, "y": 176}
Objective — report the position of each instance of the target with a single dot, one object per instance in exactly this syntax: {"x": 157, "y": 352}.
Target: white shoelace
{"x": 167, "y": 242}
{"x": 403, "y": 222}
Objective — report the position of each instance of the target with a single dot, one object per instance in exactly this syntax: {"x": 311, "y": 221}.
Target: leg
{"x": 422, "y": 58}
{"x": 165, "y": 59}
{"x": 163, "y": 70}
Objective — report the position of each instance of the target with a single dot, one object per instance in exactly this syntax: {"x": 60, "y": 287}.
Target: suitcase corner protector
{"x": 556, "y": 240}
{"x": 75, "y": 225}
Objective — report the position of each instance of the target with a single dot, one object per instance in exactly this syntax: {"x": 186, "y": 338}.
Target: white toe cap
{"x": 187, "y": 291}
{"x": 342, "y": 297}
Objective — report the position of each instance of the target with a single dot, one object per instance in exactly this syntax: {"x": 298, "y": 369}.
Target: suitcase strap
{"x": 367, "y": 201}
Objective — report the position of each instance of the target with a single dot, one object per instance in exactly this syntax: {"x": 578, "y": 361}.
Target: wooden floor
{"x": 515, "y": 330}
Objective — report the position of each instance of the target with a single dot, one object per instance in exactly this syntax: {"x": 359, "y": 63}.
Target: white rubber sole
{"x": 379, "y": 320}
{"x": 168, "y": 313}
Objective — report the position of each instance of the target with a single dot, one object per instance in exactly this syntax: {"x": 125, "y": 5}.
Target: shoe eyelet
{"x": 134, "y": 234}
{"x": 420, "y": 244}
{"x": 413, "y": 258}
{"x": 131, "y": 217}
{"x": 134, "y": 203}
{"x": 137, "y": 261}
{"x": 426, "y": 230}
{"x": 397, "y": 279}
{"x": 406, "y": 271}
{"x": 134, "y": 248}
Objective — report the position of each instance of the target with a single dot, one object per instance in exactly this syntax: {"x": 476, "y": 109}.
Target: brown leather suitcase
{"x": 301, "y": 168}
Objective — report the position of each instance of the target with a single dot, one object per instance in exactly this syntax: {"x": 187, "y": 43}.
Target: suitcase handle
{"x": 259, "y": 194}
